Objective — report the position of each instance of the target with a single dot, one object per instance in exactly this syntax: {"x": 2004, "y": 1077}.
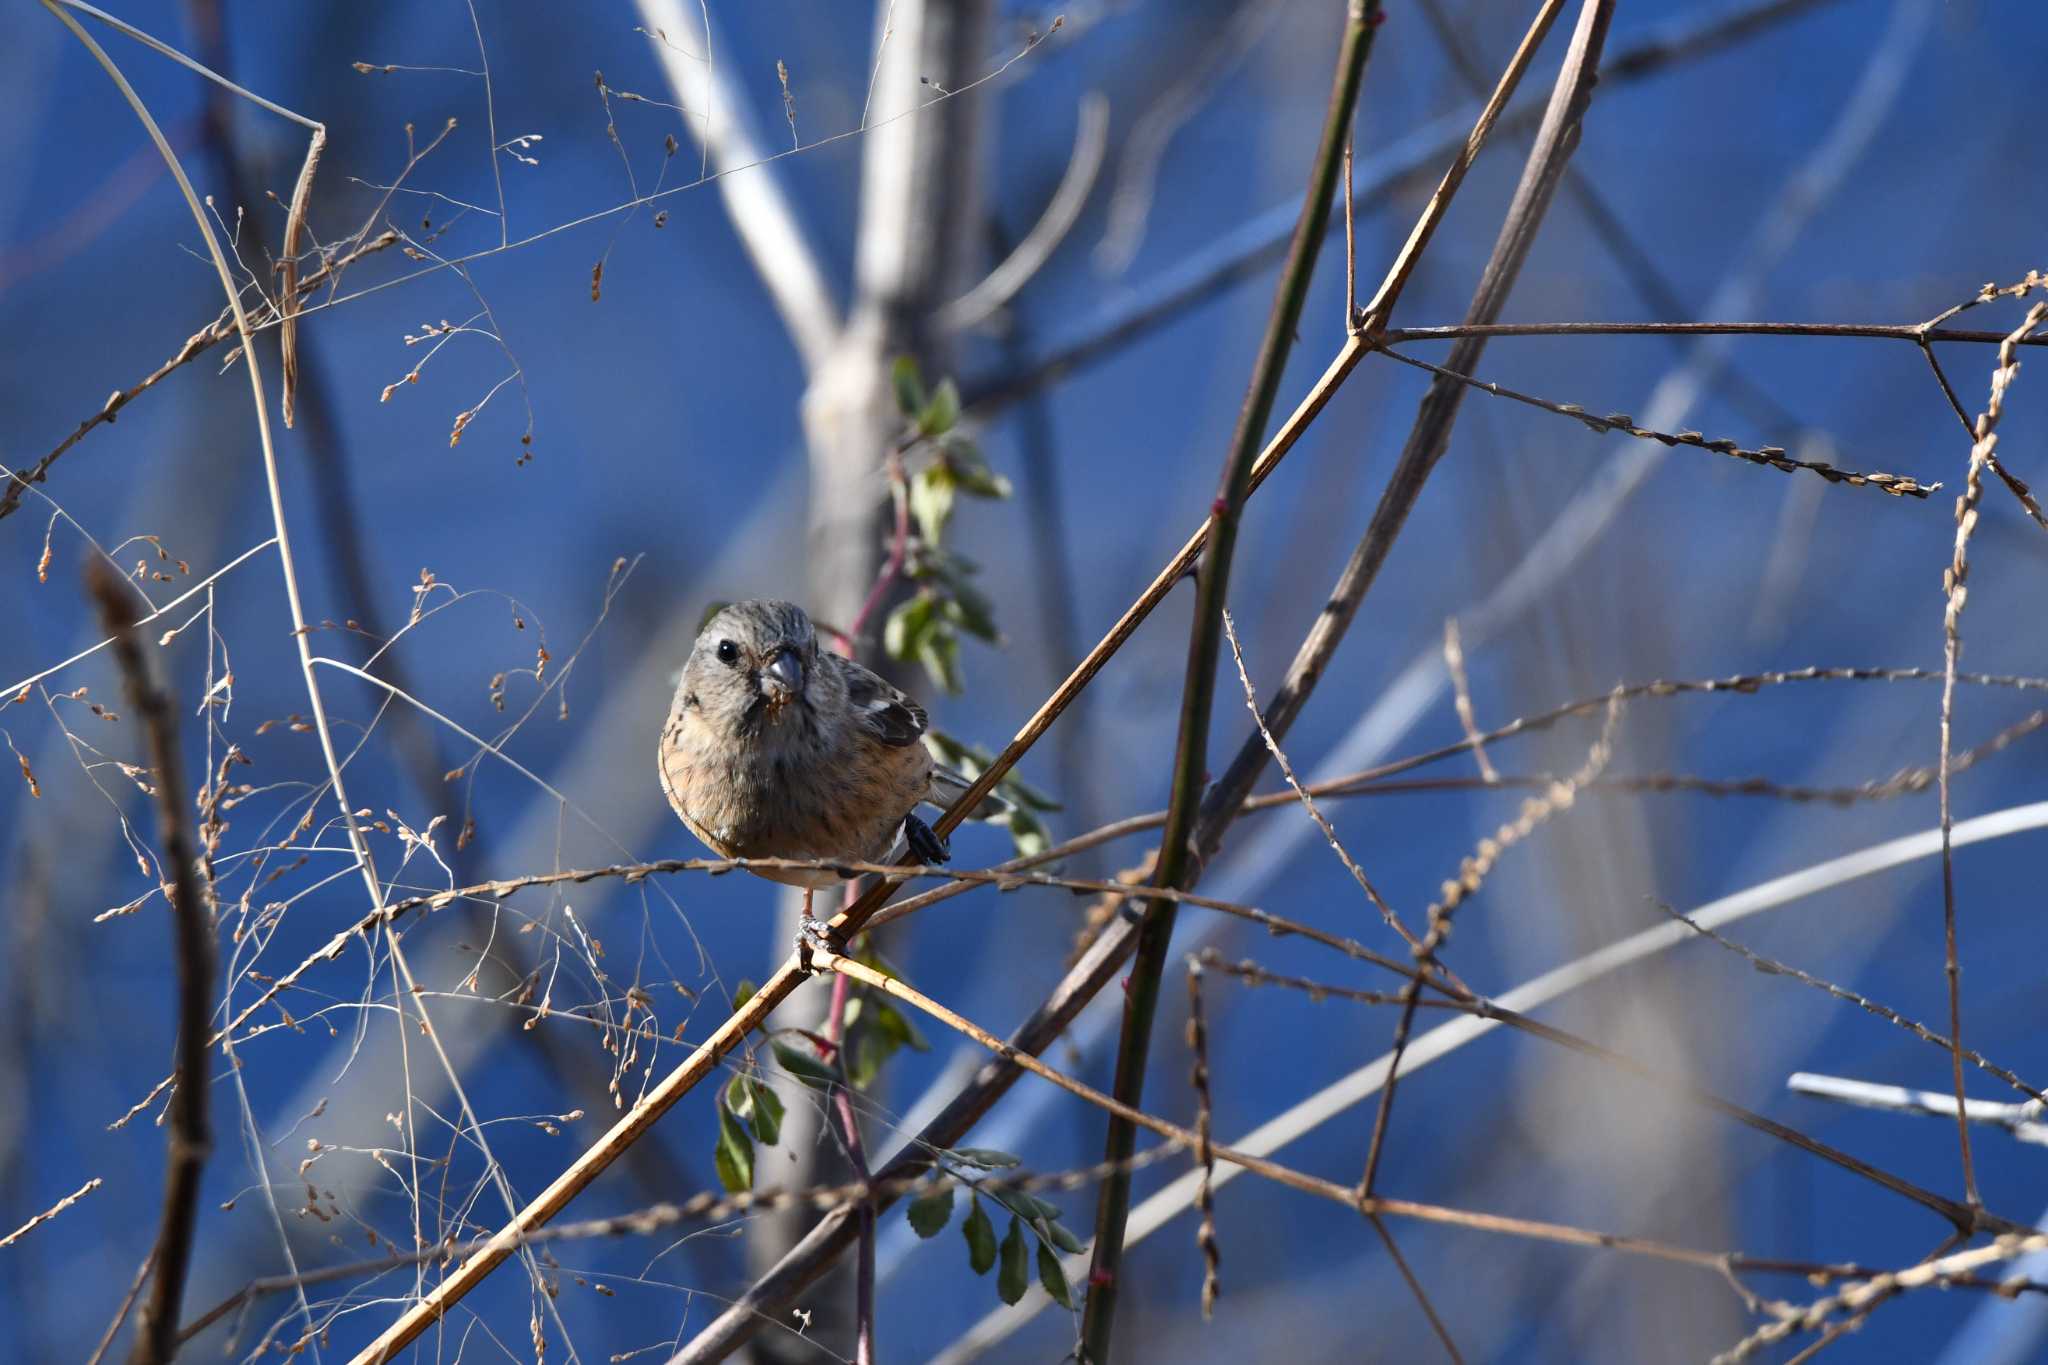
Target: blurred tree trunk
{"x": 920, "y": 217}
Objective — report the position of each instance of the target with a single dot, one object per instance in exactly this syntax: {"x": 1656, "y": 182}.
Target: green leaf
{"x": 1035, "y": 1211}
{"x": 1027, "y": 834}
{"x": 906, "y": 628}
{"x": 970, "y": 611}
{"x": 985, "y": 1158}
{"x": 1010, "y": 1279}
{"x": 735, "y": 1155}
{"x": 980, "y": 1235}
{"x": 867, "y": 1051}
{"x": 931, "y": 501}
{"x": 942, "y": 413}
{"x": 743, "y": 992}
{"x": 972, "y": 471}
{"x": 805, "y": 1068}
{"x": 972, "y": 760}
{"x": 893, "y": 1023}
{"x": 766, "y": 1120}
{"x": 1063, "y": 1239}
{"x": 947, "y": 749}
{"x": 930, "y": 1211}
{"x": 1054, "y": 1277}
{"x": 939, "y": 652}
{"x": 1027, "y": 795}
{"x": 910, "y": 397}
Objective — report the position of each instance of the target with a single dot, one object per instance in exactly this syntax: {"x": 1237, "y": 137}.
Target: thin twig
{"x": 1436, "y": 1323}
{"x": 1911, "y": 332}
{"x": 1461, "y": 693}
{"x": 188, "y": 1141}
{"x": 1372, "y": 319}
{"x": 1772, "y": 967}
{"x": 2013, "y": 482}
{"x": 106, "y": 1342}
{"x": 1898, "y": 485}
{"x": 1251, "y": 701}
{"x": 51, "y": 1212}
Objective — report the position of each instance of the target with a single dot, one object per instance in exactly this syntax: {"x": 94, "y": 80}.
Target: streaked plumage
{"x": 775, "y": 748}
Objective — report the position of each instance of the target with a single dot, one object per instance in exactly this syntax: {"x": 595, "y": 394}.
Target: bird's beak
{"x": 785, "y": 672}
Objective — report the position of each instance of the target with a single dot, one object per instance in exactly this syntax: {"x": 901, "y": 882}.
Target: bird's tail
{"x": 948, "y": 786}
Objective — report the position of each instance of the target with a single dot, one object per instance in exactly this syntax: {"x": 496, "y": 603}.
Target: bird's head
{"x": 751, "y": 661}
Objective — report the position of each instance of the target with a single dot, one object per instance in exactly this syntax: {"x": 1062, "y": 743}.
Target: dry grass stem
{"x": 1956, "y": 583}
{"x": 1461, "y": 694}
{"x": 1205, "y": 1156}
{"x": 1772, "y": 967}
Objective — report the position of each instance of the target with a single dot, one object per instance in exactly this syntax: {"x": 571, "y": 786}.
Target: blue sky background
{"x": 666, "y": 431}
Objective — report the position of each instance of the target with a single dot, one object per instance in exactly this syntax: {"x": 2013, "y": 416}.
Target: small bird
{"x": 775, "y": 748}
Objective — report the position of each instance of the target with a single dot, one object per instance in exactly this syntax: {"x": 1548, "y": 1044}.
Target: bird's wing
{"x": 881, "y": 710}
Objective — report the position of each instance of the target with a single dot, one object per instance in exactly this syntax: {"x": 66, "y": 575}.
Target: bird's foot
{"x": 815, "y": 936}
{"x": 924, "y": 843}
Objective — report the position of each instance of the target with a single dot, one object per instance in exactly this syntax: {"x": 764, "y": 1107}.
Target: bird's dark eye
{"x": 728, "y": 652}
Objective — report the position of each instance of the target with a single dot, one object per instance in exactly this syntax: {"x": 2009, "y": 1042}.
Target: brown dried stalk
{"x": 1205, "y": 1153}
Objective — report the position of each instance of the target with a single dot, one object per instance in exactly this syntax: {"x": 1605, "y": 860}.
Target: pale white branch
{"x": 2022, "y": 1119}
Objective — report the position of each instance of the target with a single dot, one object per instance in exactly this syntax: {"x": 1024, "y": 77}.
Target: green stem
{"x": 1204, "y": 651}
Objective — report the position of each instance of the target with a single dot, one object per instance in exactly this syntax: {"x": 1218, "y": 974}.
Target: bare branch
{"x": 189, "y": 1140}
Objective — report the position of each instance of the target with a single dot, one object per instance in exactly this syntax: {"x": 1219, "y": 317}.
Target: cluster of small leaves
{"x": 874, "y": 1030}
{"x": 1026, "y": 801}
{"x": 942, "y": 462}
{"x": 932, "y": 1209}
